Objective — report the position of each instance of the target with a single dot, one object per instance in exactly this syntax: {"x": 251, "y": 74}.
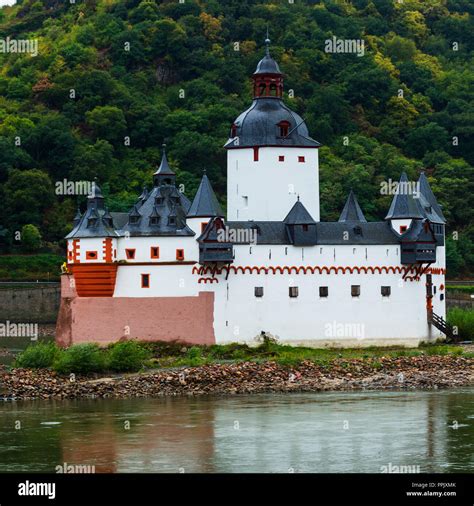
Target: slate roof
{"x": 267, "y": 65}
{"x": 404, "y": 204}
{"x": 352, "y": 210}
{"x": 416, "y": 205}
{"x": 205, "y": 202}
{"x": 258, "y": 126}
{"x": 168, "y": 202}
{"x": 428, "y": 201}
{"x": 96, "y": 221}
{"x": 299, "y": 215}
{"x": 327, "y": 233}
{"x": 417, "y": 232}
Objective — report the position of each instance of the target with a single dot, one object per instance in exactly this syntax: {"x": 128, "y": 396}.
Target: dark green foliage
{"x": 81, "y": 358}
{"x": 128, "y": 62}
{"x": 37, "y": 355}
{"x": 127, "y": 356}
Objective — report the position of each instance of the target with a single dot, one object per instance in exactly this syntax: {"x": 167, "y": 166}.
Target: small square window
{"x": 145, "y": 281}
{"x": 130, "y": 253}
{"x": 203, "y": 226}
{"x": 323, "y": 291}
{"x": 180, "y": 254}
{"x": 155, "y": 252}
{"x": 281, "y": 158}
{"x": 441, "y": 296}
{"x": 293, "y": 291}
{"x": 259, "y": 291}
{"x": 385, "y": 291}
{"x": 355, "y": 290}
{"x": 305, "y": 228}
{"x": 301, "y": 159}
{"x": 403, "y": 229}
{"x": 91, "y": 255}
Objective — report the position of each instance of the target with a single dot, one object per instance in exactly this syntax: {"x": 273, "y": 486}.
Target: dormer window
{"x": 155, "y": 220}
{"x": 91, "y": 222}
{"x": 159, "y": 201}
{"x": 171, "y": 220}
{"x": 134, "y": 220}
{"x": 283, "y": 128}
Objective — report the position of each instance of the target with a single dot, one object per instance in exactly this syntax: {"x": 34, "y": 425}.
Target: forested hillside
{"x": 114, "y": 79}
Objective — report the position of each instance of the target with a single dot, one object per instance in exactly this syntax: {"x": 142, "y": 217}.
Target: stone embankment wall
{"x": 29, "y": 302}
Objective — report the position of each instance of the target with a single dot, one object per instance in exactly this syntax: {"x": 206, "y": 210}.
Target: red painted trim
{"x": 92, "y": 255}
{"x": 255, "y": 153}
{"x": 130, "y": 253}
{"x": 204, "y": 269}
{"x": 152, "y": 253}
{"x": 180, "y": 254}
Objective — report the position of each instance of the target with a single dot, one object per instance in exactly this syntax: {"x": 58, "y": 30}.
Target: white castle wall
{"x": 267, "y": 189}
{"x": 339, "y": 319}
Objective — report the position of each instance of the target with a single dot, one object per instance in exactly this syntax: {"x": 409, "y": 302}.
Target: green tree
{"x": 30, "y": 238}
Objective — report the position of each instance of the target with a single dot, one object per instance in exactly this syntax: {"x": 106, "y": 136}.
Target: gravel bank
{"x": 385, "y": 373}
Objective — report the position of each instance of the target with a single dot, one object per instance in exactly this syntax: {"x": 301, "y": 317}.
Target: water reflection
{"x": 321, "y": 432}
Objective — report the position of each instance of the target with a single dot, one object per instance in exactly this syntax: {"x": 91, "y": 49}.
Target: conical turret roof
{"x": 205, "y": 203}
{"x": 352, "y": 210}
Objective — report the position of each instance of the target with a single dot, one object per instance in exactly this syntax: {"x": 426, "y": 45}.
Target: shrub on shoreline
{"x": 36, "y": 356}
{"x": 127, "y": 356}
{"x": 81, "y": 358}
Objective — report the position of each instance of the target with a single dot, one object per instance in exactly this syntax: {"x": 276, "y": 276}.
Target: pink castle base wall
{"x": 105, "y": 320}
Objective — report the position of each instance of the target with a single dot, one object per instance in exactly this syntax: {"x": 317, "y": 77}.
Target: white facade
{"x": 266, "y": 189}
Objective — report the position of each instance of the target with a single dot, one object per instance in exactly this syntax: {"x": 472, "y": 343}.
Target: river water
{"x": 430, "y": 431}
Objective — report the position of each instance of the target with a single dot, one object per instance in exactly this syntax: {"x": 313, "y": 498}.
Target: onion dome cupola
{"x": 96, "y": 221}
{"x": 205, "y": 203}
{"x": 300, "y": 226}
{"x": 164, "y": 174}
{"x": 268, "y": 121}
{"x": 352, "y": 211}
{"x": 267, "y": 78}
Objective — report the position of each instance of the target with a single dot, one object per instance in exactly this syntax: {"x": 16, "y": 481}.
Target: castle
{"x": 172, "y": 269}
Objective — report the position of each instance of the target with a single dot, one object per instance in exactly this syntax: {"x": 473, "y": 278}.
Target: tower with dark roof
{"x": 270, "y": 155}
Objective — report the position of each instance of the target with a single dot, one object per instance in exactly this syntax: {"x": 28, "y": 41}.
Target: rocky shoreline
{"x": 423, "y": 372}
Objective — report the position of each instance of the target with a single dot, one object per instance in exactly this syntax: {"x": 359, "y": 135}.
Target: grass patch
{"x": 460, "y": 288}
{"x": 42, "y": 267}
{"x": 463, "y": 321}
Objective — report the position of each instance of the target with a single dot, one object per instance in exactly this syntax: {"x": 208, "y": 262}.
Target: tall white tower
{"x": 270, "y": 157}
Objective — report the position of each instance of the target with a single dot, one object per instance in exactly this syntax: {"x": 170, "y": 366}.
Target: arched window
{"x": 261, "y": 89}
{"x": 283, "y": 128}
{"x": 273, "y": 90}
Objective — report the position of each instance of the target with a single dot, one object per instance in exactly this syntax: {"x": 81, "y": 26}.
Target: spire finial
{"x": 267, "y": 44}
{"x": 298, "y": 198}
